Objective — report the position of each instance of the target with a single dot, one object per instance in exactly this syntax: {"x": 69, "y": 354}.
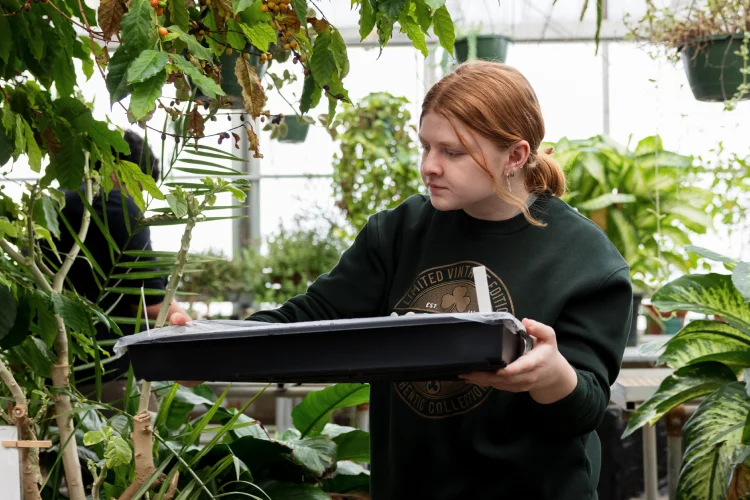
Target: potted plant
{"x": 708, "y": 357}
{"x": 374, "y": 168}
{"x": 489, "y": 47}
{"x": 296, "y": 256}
{"x": 711, "y": 38}
{"x": 618, "y": 189}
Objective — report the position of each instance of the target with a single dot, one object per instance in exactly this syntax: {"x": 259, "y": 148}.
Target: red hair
{"x": 497, "y": 102}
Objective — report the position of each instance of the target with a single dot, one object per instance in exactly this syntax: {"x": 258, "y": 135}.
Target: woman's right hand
{"x": 179, "y": 319}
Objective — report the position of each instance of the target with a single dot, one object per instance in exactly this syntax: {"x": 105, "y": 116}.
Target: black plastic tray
{"x": 404, "y": 348}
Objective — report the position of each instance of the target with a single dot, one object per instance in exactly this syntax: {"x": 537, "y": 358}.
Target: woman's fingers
{"x": 178, "y": 319}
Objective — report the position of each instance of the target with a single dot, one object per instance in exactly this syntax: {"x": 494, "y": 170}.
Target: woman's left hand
{"x": 543, "y": 372}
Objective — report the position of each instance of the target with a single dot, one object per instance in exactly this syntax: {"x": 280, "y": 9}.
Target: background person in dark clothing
{"x": 112, "y": 208}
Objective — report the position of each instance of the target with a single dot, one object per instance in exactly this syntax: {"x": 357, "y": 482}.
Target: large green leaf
{"x": 179, "y": 14}
{"x": 697, "y": 217}
{"x": 709, "y": 254}
{"x": 703, "y": 338}
{"x": 146, "y": 65}
{"x": 8, "y": 311}
{"x": 712, "y": 438}
{"x": 117, "y": 452}
{"x": 683, "y": 385}
{"x": 117, "y": 74}
{"x": 595, "y": 167}
{"x": 143, "y": 100}
{"x": 45, "y": 214}
{"x": 67, "y": 166}
{"x": 605, "y": 201}
{"x": 311, "y": 416}
{"x": 138, "y": 26}
{"x": 649, "y": 145}
{"x": 708, "y": 294}
{"x": 442, "y": 25}
{"x": 350, "y": 478}
{"x": 741, "y": 279}
{"x": 22, "y": 311}
{"x": 353, "y": 445}
{"x": 311, "y": 93}
{"x": 33, "y": 152}
{"x": 260, "y": 35}
{"x": 317, "y": 455}
{"x": 35, "y": 355}
{"x": 366, "y": 19}
{"x": 75, "y": 314}
{"x": 322, "y": 63}
{"x": 209, "y": 87}
{"x": 194, "y": 47}
{"x": 410, "y": 26}
{"x": 627, "y": 233}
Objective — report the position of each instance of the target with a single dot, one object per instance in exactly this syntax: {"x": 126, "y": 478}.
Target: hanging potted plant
{"x": 710, "y": 38}
{"x": 488, "y": 47}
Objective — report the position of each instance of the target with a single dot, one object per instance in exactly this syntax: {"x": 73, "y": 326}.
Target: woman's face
{"x": 454, "y": 179}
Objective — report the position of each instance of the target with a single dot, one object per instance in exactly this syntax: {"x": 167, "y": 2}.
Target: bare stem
{"x": 174, "y": 281}
{"x": 98, "y": 481}
{"x": 9, "y": 380}
{"x": 43, "y": 267}
{"x": 75, "y": 249}
{"x": 31, "y": 473}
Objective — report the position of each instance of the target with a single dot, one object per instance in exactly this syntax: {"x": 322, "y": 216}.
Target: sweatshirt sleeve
{"x": 592, "y": 332}
{"x": 355, "y": 288}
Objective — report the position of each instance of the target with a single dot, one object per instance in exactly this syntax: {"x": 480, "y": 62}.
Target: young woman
{"x": 526, "y": 431}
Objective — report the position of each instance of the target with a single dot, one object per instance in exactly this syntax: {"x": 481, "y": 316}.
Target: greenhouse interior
{"x": 374, "y": 249}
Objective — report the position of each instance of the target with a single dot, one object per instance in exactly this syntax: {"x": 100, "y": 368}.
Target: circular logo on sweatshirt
{"x": 447, "y": 289}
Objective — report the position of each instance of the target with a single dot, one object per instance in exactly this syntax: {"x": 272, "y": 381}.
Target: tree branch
{"x": 31, "y": 473}
{"x": 43, "y": 267}
{"x": 9, "y": 380}
{"x": 98, "y": 481}
{"x": 85, "y": 221}
{"x": 39, "y": 277}
{"x": 143, "y": 444}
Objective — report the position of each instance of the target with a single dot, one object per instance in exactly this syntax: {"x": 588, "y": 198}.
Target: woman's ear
{"x": 518, "y": 154}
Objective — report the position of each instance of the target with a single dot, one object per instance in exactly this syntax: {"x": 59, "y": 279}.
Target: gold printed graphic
{"x": 447, "y": 289}
{"x": 457, "y": 298}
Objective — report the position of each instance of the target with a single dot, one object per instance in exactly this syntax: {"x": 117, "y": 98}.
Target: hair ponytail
{"x": 544, "y": 175}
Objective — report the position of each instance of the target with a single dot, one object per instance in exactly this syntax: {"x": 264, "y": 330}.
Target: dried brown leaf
{"x": 196, "y": 123}
{"x": 51, "y": 142}
{"x": 253, "y": 96}
{"x": 319, "y": 25}
{"x": 110, "y": 14}
{"x": 252, "y": 139}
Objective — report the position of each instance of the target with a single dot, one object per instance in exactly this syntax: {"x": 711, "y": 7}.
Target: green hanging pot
{"x": 713, "y": 66}
{"x": 229, "y": 83}
{"x": 296, "y": 130}
{"x": 486, "y": 47}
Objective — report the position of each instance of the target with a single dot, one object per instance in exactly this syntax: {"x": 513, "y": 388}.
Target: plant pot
{"x": 633, "y": 337}
{"x": 488, "y": 48}
{"x": 712, "y": 67}
{"x": 296, "y": 130}
{"x": 667, "y": 323}
{"x": 229, "y": 83}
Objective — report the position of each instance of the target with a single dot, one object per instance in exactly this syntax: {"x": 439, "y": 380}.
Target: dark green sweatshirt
{"x": 451, "y": 440}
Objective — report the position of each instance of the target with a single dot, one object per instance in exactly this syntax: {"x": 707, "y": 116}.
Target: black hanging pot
{"x": 296, "y": 131}
{"x": 485, "y": 47}
{"x": 713, "y": 66}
